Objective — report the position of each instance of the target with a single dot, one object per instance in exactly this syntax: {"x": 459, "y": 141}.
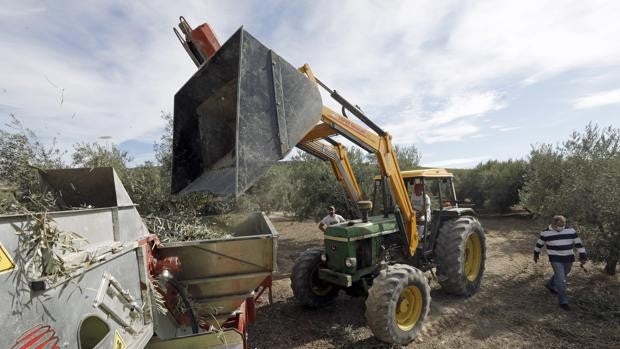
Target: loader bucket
{"x": 243, "y": 110}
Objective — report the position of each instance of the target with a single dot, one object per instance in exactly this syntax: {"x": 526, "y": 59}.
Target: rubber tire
{"x": 383, "y": 299}
{"x": 305, "y": 269}
{"x": 450, "y": 255}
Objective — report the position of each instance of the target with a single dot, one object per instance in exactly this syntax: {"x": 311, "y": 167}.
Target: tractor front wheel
{"x": 398, "y": 303}
{"x": 308, "y": 289}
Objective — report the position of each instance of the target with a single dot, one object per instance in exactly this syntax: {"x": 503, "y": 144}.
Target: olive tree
{"x": 101, "y": 155}
{"x": 493, "y": 185}
{"x": 580, "y": 179}
{"x": 21, "y": 152}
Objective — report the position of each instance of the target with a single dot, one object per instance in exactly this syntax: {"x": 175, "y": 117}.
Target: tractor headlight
{"x": 323, "y": 257}
{"x": 350, "y": 262}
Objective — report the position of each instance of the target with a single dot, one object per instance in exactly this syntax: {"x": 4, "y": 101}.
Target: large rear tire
{"x": 461, "y": 253}
{"x": 308, "y": 289}
{"x": 398, "y": 303}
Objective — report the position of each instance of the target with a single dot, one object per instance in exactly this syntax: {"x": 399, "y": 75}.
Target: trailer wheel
{"x": 461, "y": 254}
{"x": 398, "y": 303}
{"x": 307, "y": 287}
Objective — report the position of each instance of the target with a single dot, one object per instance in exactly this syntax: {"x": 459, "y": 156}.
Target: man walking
{"x": 331, "y": 218}
{"x": 560, "y": 242}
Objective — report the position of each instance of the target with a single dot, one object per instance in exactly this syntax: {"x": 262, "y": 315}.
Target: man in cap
{"x": 560, "y": 242}
{"x": 331, "y": 218}
{"x": 422, "y": 206}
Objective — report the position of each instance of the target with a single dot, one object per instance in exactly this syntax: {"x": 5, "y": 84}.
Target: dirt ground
{"x": 511, "y": 310}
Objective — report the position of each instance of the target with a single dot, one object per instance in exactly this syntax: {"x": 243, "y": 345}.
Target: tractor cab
{"x": 433, "y": 186}
{"x": 434, "y": 182}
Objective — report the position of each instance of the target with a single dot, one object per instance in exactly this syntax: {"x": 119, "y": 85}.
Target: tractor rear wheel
{"x": 307, "y": 287}
{"x": 398, "y": 303}
{"x": 461, "y": 254}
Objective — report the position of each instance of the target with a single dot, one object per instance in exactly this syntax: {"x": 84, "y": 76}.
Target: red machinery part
{"x": 155, "y": 264}
{"x": 40, "y": 336}
{"x": 172, "y": 264}
{"x": 205, "y": 38}
{"x": 149, "y": 244}
{"x": 247, "y": 310}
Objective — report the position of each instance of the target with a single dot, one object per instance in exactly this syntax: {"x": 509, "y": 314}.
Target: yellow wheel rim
{"x": 409, "y": 308}
{"x": 473, "y": 257}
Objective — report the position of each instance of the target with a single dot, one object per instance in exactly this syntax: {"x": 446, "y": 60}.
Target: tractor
{"x": 365, "y": 258}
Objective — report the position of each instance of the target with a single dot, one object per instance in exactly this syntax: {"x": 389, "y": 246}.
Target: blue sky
{"x": 464, "y": 81}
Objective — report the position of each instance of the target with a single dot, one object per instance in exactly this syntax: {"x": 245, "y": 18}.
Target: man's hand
{"x": 536, "y": 257}
{"x": 582, "y": 264}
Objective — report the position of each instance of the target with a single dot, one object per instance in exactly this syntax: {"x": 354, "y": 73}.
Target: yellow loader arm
{"x": 336, "y": 154}
{"x": 374, "y": 140}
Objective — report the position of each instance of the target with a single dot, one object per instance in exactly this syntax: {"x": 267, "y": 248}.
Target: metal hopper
{"x": 220, "y": 274}
{"x": 242, "y": 110}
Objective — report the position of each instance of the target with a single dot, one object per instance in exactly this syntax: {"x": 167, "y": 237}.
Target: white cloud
{"x": 119, "y": 66}
{"x": 527, "y": 40}
{"x": 455, "y": 132}
{"x": 19, "y": 9}
{"x": 468, "y": 162}
{"x": 427, "y": 70}
{"x": 462, "y": 106}
{"x": 597, "y": 99}
{"x": 501, "y": 128}
{"x": 607, "y": 76}
{"x": 506, "y": 129}
{"x": 456, "y": 120}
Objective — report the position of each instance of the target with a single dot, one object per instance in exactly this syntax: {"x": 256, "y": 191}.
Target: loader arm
{"x": 336, "y": 154}
{"x": 375, "y": 141}
{"x": 317, "y": 143}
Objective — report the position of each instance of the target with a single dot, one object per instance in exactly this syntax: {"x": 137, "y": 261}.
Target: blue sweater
{"x": 560, "y": 245}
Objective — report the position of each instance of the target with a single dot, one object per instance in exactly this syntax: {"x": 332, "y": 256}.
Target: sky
{"x": 463, "y": 81}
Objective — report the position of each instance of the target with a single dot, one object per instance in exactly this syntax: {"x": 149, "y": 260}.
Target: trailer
{"x": 94, "y": 276}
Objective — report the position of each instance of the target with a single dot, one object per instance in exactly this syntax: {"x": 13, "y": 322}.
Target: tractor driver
{"x": 422, "y": 206}
{"x": 331, "y": 218}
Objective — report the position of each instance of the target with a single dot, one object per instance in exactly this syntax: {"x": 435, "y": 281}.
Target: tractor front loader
{"x": 246, "y": 108}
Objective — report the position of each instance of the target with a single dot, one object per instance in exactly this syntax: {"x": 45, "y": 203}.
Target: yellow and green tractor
{"x": 366, "y": 258}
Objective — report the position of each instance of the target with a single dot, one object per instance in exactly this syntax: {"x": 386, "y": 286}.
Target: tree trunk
{"x": 612, "y": 259}
{"x": 612, "y": 262}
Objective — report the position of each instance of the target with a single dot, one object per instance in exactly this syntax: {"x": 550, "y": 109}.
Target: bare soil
{"x": 511, "y": 310}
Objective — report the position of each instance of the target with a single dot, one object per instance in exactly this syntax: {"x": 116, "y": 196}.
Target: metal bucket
{"x": 242, "y": 110}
